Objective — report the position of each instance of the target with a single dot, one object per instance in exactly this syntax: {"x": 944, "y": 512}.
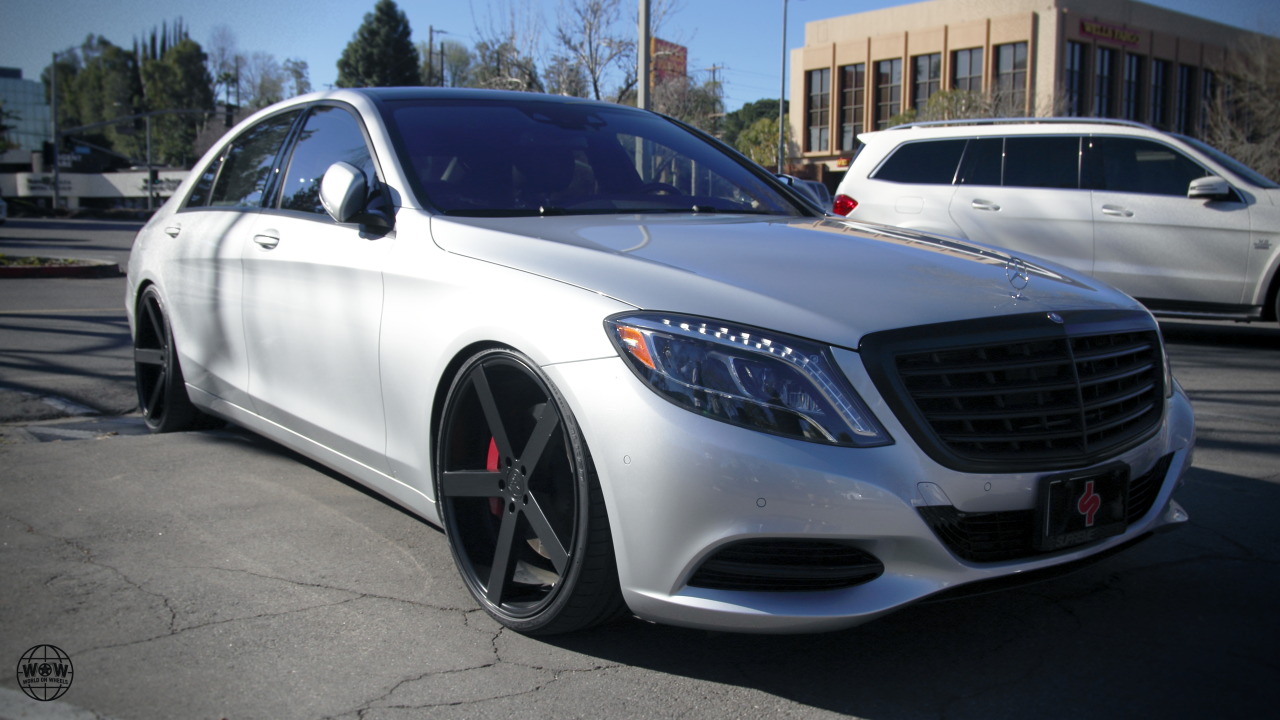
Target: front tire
{"x": 520, "y": 501}
{"x": 162, "y": 392}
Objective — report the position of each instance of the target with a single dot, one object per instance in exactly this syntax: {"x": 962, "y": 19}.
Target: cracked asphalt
{"x": 216, "y": 575}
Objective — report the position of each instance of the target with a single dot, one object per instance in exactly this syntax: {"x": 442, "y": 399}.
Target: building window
{"x": 1011, "y": 78}
{"x": 966, "y": 70}
{"x": 1160, "y": 93}
{"x": 1073, "y": 81}
{"x": 1131, "y": 90}
{"x": 1209, "y": 92}
{"x": 819, "y": 110}
{"x": 853, "y": 103}
{"x": 1185, "y": 109}
{"x": 927, "y": 70}
{"x": 1103, "y": 75}
{"x": 888, "y": 91}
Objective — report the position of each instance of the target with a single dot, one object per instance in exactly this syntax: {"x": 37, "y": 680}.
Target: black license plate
{"x": 1077, "y": 508}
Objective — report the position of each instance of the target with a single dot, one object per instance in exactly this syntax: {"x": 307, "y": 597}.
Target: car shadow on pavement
{"x": 1178, "y": 626}
{"x": 1261, "y": 335}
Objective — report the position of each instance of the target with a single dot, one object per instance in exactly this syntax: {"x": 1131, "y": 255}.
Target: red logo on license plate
{"x": 1089, "y": 504}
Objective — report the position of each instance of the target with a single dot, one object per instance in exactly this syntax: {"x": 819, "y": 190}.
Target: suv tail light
{"x": 843, "y": 205}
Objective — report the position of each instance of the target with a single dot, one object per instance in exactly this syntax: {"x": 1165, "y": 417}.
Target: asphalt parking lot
{"x": 215, "y": 575}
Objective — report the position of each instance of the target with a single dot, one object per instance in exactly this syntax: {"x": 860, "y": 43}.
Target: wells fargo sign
{"x": 1104, "y": 31}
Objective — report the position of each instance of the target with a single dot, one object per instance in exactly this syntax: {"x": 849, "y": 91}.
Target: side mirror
{"x": 343, "y": 191}
{"x": 799, "y": 188}
{"x": 1209, "y": 188}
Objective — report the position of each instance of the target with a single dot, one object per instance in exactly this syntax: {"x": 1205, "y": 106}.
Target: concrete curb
{"x": 87, "y": 269}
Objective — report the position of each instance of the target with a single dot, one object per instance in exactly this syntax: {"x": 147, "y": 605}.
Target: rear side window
{"x": 1042, "y": 162}
{"x": 1133, "y": 165}
{"x": 931, "y": 162}
{"x": 983, "y": 162}
{"x": 247, "y": 163}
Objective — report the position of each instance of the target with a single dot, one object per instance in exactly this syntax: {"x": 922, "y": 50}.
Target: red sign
{"x": 669, "y": 60}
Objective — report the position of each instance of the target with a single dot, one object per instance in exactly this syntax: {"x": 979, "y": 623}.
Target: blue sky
{"x": 743, "y": 37}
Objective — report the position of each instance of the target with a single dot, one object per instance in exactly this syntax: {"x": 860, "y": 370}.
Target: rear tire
{"x": 162, "y": 392}
{"x": 520, "y": 501}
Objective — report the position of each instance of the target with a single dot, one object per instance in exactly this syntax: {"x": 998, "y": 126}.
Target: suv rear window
{"x": 930, "y": 162}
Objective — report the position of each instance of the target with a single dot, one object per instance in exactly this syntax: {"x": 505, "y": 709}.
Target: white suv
{"x": 1169, "y": 220}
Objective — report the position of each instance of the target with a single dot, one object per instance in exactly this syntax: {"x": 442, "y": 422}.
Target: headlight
{"x": 748, "y": 377}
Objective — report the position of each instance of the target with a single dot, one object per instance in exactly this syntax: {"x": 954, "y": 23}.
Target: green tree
{"x": 178, "y": 81}
{"x": 744, "y": 117}
{"x": 298, "y": 77}
{"x": 381, "y": 53}
{"x": 457, "y": 63}
{"x": 760, "y": 141}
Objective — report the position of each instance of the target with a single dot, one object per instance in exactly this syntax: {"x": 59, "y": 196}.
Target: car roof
{"x": 987, "y": 127}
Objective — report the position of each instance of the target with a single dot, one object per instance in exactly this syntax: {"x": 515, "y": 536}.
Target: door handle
{"x": 985, "y": 205}
{"x": 268, "y": 239}
{"x": 173, "y": 230}
{"x": 1116, "y": 211}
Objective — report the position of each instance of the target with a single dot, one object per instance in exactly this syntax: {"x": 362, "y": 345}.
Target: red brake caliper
{"x": 491, "y": 464}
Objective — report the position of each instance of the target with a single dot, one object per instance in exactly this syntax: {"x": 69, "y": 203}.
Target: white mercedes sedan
{"x": 628, "y": 371}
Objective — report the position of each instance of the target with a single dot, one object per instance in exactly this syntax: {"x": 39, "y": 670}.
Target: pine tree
{"x": 381, "y": 53}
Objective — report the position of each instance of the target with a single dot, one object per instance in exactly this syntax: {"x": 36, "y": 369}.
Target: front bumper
{"x": 680, "y": 487}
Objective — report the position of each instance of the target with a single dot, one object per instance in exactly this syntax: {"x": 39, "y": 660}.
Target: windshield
{"x": 483, "y": 157}
{"x": 1230, "y": 163}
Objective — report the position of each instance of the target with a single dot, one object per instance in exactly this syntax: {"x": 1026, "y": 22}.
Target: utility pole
{"x": 431, "y": 71}
{"x": 719, "y": 109}
{"x": 643, "y": 101}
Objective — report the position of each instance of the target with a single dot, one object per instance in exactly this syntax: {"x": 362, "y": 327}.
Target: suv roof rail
{"x": 1022, "y": 121}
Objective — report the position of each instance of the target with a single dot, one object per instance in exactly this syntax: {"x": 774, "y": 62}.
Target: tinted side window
{"x": 932, "y": 162}
{"x": 983, "y": 162}
{"x": 1042, "y": 162}
{"x": 247, "y": 163}
{"x": 1141, "y": 166}
{"x": 330, "y": 135}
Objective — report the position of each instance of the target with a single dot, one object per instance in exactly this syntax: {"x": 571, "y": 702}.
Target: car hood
{"x": 826, "y": 279}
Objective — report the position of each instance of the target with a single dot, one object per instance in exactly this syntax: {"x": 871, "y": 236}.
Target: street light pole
{"x": 643, "y": 100}
{"x": 57, "y": 178}
{"x": 782, "y": 93}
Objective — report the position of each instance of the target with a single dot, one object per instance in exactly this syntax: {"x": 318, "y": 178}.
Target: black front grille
{"x": 1010, "y": 535}
{"x": 773, "y": 565}
{"x": 1023, "y": 393}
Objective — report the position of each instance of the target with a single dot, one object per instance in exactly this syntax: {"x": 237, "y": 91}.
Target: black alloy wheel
{"x": 162, "y": 393}
{"x": 520, "y": 501}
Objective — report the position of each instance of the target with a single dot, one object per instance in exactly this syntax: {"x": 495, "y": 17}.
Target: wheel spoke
{"x": 484, "y": 393}
{"x": 472, "y": 483}
{"x": 148, "y": 356}
{"x": 156, "y": 396}
{"x": 152, "y": 314}
{"x": 551, "y": 544}
{"x": 542, "y": 432}
{"x": 503, "y": 559}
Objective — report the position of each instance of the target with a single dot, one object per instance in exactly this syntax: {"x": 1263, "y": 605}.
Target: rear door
{"x": 204, "y": 269}
{"x": 1023, "y": 193}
